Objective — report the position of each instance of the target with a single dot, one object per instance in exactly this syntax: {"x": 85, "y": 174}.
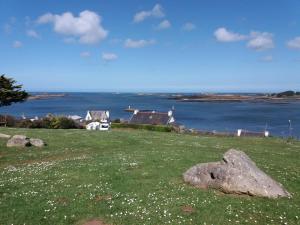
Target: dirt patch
{"x": 187, "y": 209}
{"x": 99, "y": 198}
{"x": 94, "y": 222}
{"x": 62, "y": 201}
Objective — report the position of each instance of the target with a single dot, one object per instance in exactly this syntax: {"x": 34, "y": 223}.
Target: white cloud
{"x": 129, "y": 43}
{"x": 86, "y": 27}
{"x": 156, "y": 12}
{"x": 256, "y": 40}
{"x": 188, "y": 26}
{"x": 46, "y": 18}
{"x": 17, "y": 44}
{"x": 32, "y": 33}
{"x": 85, "y": 54}
{"x": 294, "y": 43}
{"x": 224, "y": 35}
{"x": 260, "y": 41}
{"x": 267, "y": 58}
{"x": 165, "y": 24}
{"x": 109, "y": 56}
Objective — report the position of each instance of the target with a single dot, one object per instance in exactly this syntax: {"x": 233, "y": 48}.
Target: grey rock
{"x": 37, "y": 142}
{"x": 4, "y": 136}
{"x": 17, "y": 136}
{"x": 18, "y": 141}
{"x": 236, "y": 174}
{"x": 11, "y": 168}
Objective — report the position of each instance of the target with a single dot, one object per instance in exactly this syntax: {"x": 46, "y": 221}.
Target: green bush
{"x": 53, "y": 122}
{"x": 116, "y": 121}
{"x": 8, "y": 120}
{"x": 160, "y": 128}
{"x": 62, "y": 123}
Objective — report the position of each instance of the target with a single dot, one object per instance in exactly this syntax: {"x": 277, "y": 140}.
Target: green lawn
{"x": 135, "y": 177}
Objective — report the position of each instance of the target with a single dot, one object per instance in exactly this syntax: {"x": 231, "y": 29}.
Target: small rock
{"x": 37, "y": 142}
{"x": 11, "y": 168}
{"x": 236, "y": 174}
{"x": 18, "y": 141}
{"x": 4, "y": 136}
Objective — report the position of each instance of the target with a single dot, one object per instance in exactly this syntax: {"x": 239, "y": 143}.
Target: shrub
{"x": 8, "y": 120}
{"x": 50, "y": 123}
{"x": 116, "y": 121}
{"x": 25, "y": 124}
{"x": 62, "y": 123}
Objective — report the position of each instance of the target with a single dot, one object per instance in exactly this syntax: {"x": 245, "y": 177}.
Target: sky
{"x": 151, "y": 46}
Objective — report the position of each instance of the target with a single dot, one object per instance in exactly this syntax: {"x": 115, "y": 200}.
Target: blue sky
{"x": 135, "y": 45}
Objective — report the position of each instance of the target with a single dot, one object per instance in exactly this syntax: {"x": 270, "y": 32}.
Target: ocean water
{"x": 207, "y": 116}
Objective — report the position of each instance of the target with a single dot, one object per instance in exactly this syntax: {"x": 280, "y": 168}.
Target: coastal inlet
{"x": 281, "y": 118}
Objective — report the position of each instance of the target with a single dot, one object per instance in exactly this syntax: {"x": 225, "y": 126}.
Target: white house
{"x": 99, "y": 120}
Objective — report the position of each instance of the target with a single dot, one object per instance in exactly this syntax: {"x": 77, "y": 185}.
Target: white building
{"x": 99, "y": 120}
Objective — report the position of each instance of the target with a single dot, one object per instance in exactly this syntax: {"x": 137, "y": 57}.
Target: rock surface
{"x": 37, "y": 142}
{"x": 4, "y": 136}
{"x": 236, "y": 174}
{"x": 18, "y": 141}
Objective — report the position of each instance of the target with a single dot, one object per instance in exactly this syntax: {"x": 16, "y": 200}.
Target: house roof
{"x": 98, "y": 115}
{"x": 74, "y": 117}
{"x": 155, "y": 118}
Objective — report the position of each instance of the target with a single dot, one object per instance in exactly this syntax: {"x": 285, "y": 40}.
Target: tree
{"x": 10, "y": 92}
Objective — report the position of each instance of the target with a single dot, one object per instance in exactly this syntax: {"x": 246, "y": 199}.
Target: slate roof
{"x": 74, "y": 117}
{"x": 154, "y": 118}
{"x": 98, "y": 115}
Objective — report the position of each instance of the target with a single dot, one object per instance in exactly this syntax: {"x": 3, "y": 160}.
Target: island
{"x": 44, "y": 96}
{"x": 281, "y": 97}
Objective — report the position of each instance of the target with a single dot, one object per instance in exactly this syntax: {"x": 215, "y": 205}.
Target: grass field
{"x": 135, "y": 177}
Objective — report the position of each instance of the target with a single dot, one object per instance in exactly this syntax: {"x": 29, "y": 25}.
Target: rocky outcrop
{"x": 5, "y": 136}
{"x": 37, "y": 142}
{"x": 236, "y": 174}
{"x": 18, "y": 141}
{"x": 23, "y": 141}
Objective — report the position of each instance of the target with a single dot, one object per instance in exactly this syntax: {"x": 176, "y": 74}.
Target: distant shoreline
{"x": 233, "y": 98}
{"x": 45, "y": 96}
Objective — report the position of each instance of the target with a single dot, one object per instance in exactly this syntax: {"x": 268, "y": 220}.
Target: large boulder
{"x": 37, "y": 142}
{"x": 18, "y": 141}
{"x": 236, "y": 174}
{"x": 5, "y": 136}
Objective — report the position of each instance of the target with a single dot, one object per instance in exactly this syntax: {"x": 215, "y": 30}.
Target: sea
{"x": 280, "y": 119}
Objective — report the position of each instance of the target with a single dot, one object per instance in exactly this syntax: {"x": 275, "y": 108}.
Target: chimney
{"x": 239, "y": 132}
{"x": 267, "y": 133}
{"x": 107, "y": 113}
